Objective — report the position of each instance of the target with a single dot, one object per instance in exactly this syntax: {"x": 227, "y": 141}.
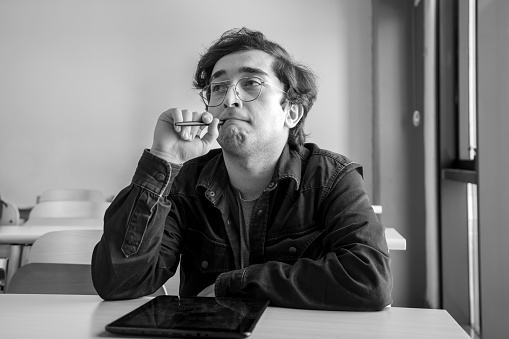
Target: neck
{"x": 250, "y": 176}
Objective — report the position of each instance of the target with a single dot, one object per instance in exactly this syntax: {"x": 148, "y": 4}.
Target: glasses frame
{"x": 203, "y": 92}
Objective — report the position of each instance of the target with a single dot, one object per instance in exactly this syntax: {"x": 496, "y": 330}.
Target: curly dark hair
{"x": 299, "y": 80}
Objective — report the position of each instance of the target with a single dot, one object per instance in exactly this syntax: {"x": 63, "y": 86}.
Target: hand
{"x": 208, "y": 291}
{"x": 178, "y": 144}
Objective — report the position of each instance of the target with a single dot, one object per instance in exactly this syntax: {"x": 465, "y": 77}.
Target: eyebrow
{"x": 244, "y": 69}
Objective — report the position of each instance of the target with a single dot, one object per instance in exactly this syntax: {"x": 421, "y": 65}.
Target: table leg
{"x": 25, "y": 251}
{"x": 13, "y": 263}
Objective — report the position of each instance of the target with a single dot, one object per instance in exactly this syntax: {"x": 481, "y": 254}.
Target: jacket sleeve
{"x": 131, "y": 259}
{"x": 352, "y": 274}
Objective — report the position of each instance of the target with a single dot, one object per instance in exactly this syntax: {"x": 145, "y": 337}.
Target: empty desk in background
{"x": 26, "y": 234}
{"x": 20, "y": 236}
{"x": 395, "y": 241}
{"x": 84, "y": 317}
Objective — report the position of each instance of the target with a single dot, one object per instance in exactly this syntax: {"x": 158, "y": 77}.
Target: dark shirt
{"x": 314, "y": 239}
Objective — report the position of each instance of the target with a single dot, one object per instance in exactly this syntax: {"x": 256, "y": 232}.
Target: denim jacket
{"x": 314, "y": 239}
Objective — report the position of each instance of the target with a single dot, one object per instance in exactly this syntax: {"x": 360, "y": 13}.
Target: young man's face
{"x": 254, "y": 126}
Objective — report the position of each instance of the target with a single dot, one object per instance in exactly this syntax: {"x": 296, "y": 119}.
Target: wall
{"x": 399, "y": 145}
{"x": 83, "y": 82}
{"x": 493, "y": 164}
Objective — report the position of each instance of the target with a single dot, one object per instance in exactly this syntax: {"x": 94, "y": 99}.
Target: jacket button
{"x": 259, "y": 212}
{"x": 160, "y": 176}
{"x": 292, "y": 250}
{"x": 211, "y": 193}
{"x": 204, "y": 264}
{"x": 272, "y": 185}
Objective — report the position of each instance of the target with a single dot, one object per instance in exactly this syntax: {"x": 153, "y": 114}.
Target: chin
{"x": 231, "y": 136}
{"x": 232, "y": 143}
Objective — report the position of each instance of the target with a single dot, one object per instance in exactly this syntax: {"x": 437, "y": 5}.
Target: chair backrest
{"x": 51, "y": 278}
{"x": 91, "y": 223}
{"x": 65, "y": 247}
{"x": 69, "y": 209}
{"x": 60, "y": 263}
{"x": 71, "y": 195}
{"x": 10, "y": 213}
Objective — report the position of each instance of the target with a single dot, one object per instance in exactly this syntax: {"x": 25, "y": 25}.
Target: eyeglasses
{"x": 246, "y": 89}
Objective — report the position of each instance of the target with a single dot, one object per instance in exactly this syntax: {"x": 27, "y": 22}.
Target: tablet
{"x": 214, "y": 317}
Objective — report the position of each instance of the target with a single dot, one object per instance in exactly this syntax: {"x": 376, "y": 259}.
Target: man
{"x": 265, "y": 216}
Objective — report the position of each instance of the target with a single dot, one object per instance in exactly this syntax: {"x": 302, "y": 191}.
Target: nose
{"x": 231, "y": 98}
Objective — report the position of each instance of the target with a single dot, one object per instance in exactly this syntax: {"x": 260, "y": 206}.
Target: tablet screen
{"x": 192, "y": 316}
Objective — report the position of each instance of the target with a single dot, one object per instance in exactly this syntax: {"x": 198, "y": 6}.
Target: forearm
{"x": 129, "y": 261}
{"x": 349, "y": 281}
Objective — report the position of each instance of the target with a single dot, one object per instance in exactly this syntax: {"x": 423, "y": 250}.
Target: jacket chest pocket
{"x": 208, "y": 256}
{"x": 290, "y": 247}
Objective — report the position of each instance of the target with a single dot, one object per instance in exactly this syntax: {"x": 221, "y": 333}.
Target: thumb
{"x": 212, "y": 134}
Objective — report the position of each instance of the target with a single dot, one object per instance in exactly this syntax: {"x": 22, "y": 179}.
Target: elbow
{"x": 108, "y": 287}
{"x": 108, "y": 292}
{"x": 102, "y": 280}
{"x": 379, "y": 301}
{"x": 103, "y": 292}
{"x": 378, "y": 286}
{"x": 102, "y": 287}
{"x": 379, "y": 293}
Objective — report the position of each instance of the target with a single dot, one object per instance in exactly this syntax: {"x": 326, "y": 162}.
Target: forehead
{"x": 252, "y": 62}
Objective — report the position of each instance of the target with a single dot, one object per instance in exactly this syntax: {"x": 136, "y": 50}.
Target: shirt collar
{"x": 289, "y": 165}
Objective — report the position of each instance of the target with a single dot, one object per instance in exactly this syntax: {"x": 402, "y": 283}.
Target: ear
{"x": 294, "y": 113}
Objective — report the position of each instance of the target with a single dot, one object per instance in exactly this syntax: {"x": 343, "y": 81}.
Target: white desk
{"x": 83, "y": 317}
{"x": 395, "y": 241}
{"x": 26, "y": 235}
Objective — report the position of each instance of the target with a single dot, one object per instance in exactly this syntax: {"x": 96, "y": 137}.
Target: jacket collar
{"x": 213, "y": 179}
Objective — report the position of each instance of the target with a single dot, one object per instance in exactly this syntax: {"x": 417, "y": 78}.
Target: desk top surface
{"x": 26, "y": 235}
{"x": 79, "y": 316}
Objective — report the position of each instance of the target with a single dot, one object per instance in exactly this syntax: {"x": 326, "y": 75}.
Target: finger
{"x": 195, "y": 130}
{"x": 175, "y": 115}
{"x": 212, "y": 133}
{"x": 207, "y": 117}
{"x": 185, "y": 132}
{"x": 199, "y": 134}
{"x": 165, "y": 124}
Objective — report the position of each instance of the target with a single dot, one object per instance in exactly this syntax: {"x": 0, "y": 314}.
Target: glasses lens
{"x": 214, "y": 93}
{"x": 248, "y": 89}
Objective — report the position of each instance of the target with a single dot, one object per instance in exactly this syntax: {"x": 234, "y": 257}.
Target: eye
{"x": 217, "y": 88}
{"x": 251, "y": 83}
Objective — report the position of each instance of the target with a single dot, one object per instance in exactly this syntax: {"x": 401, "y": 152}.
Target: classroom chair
{"x": 60, "y": 263}
{"x": 10, "y": 214}
{"x": 76, "y": 247}
{"x": 10, "y": 217}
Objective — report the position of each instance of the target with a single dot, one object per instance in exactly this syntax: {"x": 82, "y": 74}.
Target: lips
{"x": 232, "y": 113}
{"x": 230, "y": 121}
